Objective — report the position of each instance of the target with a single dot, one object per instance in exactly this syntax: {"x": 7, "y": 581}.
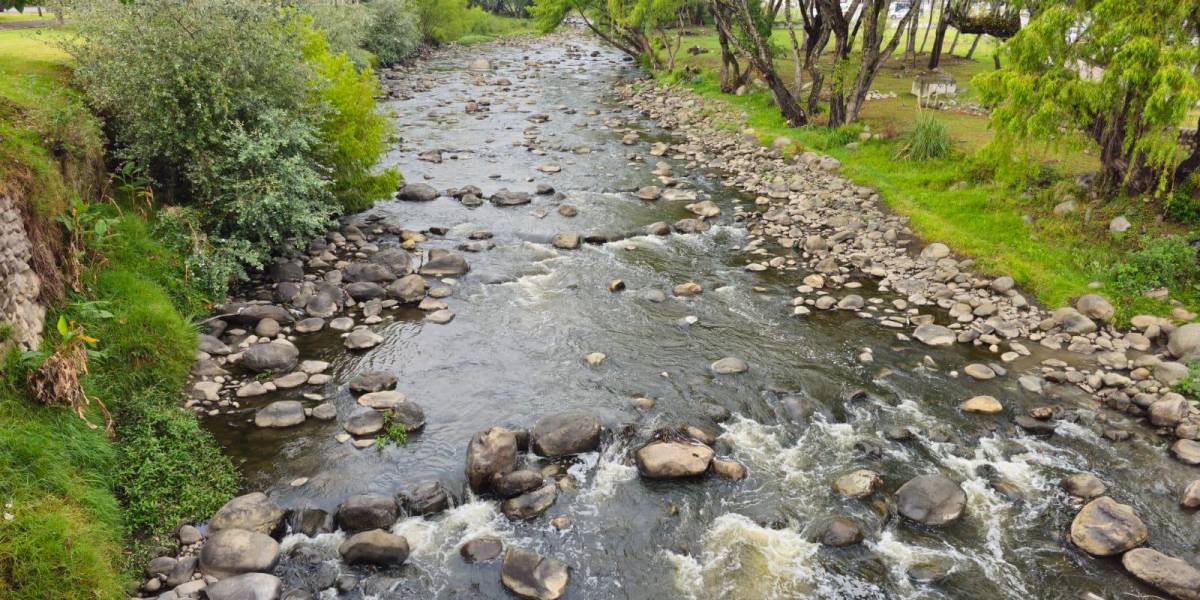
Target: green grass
{"x": 30, "y": 14}
{"x": 1007, "y": 231}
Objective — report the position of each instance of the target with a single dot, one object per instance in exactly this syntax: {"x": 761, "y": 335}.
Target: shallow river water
{"x": 527, "y": 314}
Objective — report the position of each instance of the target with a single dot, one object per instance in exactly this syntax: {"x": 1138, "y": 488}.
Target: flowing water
{"x": 527, "y": 314}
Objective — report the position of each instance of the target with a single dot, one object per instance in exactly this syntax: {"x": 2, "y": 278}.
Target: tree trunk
{"x": 732, "y": 76}
{"x": 929, "y": 25}
{"x": 939, "y": 38}
{"x": 797, "y": 63}
{"x": 954, "y": 43}
{"x": 974, "y": 45}
{"x": 759, "y": 55}
{"x": 874, "y": 53}
{"x": 910, "y": 47}
{"x": 791, "y": 109}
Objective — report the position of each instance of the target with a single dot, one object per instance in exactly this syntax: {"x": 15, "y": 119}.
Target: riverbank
{"x": 1050, "y": 236}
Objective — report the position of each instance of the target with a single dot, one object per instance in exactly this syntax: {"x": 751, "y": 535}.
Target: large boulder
{"x": 362, "y": 339}
{"x": 931, "y": 499}
{"x": 277, "y": 355}
{"x": 1184, "y": 342}
{"x": 565, "y": 433}
{"x": 231, "y": 552}
{"x": 407, "y": 289}
{"x": 252, "y": 512}
{"x": 857, "y": 484}
{"x": 517, "y": 483}
{"x": 374, "y": 547}
{"x": 362, "y": 291}
{"x": 249, "y": 586}
{"x": 505, "y": 197}
{"x": 1105, "y": 527}
{"x": 397, "y": 260}
{"x": 212, "y": 345}
{"x": 934, "y": 335}
{"x": 671, "y": 459}
{"x": 364, "y": 421}
{"x": 417, "y": 192}
{"x": 368, "y": 272}
{"x": 531, "y": 504}
{"x": 367, "y": 511}
{"x": 1171, "y": 575}
{"x": 481, "y": 549}
{"x": 532, "y": 576}
{"x": 491, "y": 453}
{"x": 372, "y": 381}
{"x": 1095, "y": 307}
{"x": 426, "y": 499}
{"x": 1169, "y": 410}
{"x": 248, "y": 315}
{"x": 444, "y": 263}
{"x": 284, "y": 413}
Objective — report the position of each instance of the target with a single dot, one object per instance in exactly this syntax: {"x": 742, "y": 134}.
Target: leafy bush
{"x": 1189, "y": 386}
{"x": 930, "y": 139}
{"x": 345, "y": 27}
{"x": 394, "y": 33}
{"x": 1167, "y": 261}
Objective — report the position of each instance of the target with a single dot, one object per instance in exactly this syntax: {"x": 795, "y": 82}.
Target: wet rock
{"x": 931, "y": 499}
{"x": 1191, "y": 495}
{"x": 530, "y": 504}
{"x": 659, "y": 229}
{"x": 310, "y": 325}
{"x": 1083, "y": 485}
{"x": 374, "y": 547}
{"x": 532, "y": 576}
{"x": 212, "y": 345}
{"x": 273, "y": 356}
{"x": 566, "y": 241}
{"x": 309, "y": 521}
{"x": 365, "y": 290}
{"x": 440, "y": 317}
{"x": 481, "y": 549}
{"x": 363, "y": 422}
{"x": 382, "y": 401}
{"x": 283, "y": 413}
{"x": 934, "y": 335}
{"x": 595, "y": 359}
{"x": 692, "y": 226}
{"x": 428, "y": 498}
{"x": 1186, "y": 451}
{"x": 324, "y": 411}
{"x": 362, "y": 339}
{"x": 1034, "y": 425}
{"x": 857, "y": 484}
{"x": 1184, "y": 342}
{"x": 359, "y": 272}
{"x": 979, "y": 371}
{"x": 505, "y": 197}
{"x": 562, "y": 434}
{"x": 729, "y": 366}
{"x": 397, "y": 260}
{"x": 650, "y": 192}
{"x": 986, "y": 405}
{"x": 491, "y": 453}
{"x": 250, "y": 586}
{"x": 417, "y": 192}
{"x": 372, "y": 381}
{"x": 1169, "y": 410}
{"x": 671, "y": 459}
{"x": 251, "y": 512}
{"x": 686, "y": 289}
{"x": 1105, "y": 527}
{"x": 1095, "y": 307}
{"x": 517, "y": 483}
{"x": 407, "y": 289}
{"x": 231, "y": 552}
{"x": 728, "y": 469}
{"x": 841, "y": 532}
{"x": 248, "y": 315}
{"x": 444, "y": 263}
{"x": 1175, "y": 577}
{"x": 367, "y": 511}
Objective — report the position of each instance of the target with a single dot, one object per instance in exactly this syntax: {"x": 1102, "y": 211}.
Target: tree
{"x": 1122, "y": 73}
{"x": 750, "y": 29}
{"x": 846, "y": 97}
{"x": 627, "y": 25}
{"x": 997, "y": 18}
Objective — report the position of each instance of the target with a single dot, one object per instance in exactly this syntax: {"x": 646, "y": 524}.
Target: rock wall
{"x": 19, "y": 284}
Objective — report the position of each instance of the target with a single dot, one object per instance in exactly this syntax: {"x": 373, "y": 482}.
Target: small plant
{"x": 1189, "y": 386}
{"x": 393, "y": 432}
{"x": 55, "y": 378}
{"x": 87, "y": 227}
{"x": 1167, "y": 261}
{"x": 930, "y": 139}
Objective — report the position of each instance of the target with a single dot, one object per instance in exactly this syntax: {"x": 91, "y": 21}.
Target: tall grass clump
{"x": 929, "y": 139}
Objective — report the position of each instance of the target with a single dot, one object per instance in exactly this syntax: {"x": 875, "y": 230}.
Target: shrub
{"x": 930, "y": 139}
{"x": 1189, "y": 386}
{"x": 1167, "y": 261}
{"x": 345, "y": 27}
{"x": 394, "y": 33}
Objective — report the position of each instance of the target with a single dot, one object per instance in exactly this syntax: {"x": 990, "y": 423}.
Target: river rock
{"x": 931, "y": 499}
{"x": 309, "y": 521}
{"x": 251, "y": 512}
{"x": 427, "y": 498}
{"x": 517, "y": 483}
{"x": 1184, "y": 342}
{"x": 397, "y": 260}
{"x": 283, "y": 413}
{"x": 671, "y": 459}
{"x": 417, "y": 192}
{"x": 374, "y": 547}
{"x": 980, "y": 372}
{"x": 1169, "y": 410}
{"x": 249, "y": 586}
{"x": 1191, "y": 495}
{"x": 384, "y": 400}
{"x": 729, "y": 366}
{"x": 1083, "y": 485}
{"x": 325, "y": 411}
{"x": 440, "y": 317}
{"x": 505, "y": 197}
{"x": 530, "y": 504}
{"x": 444, "y": 263}
{"x": 364, "y": 421}
{"x": 841, "y": 532}
{"x": 934, "y": 335}
{"x": 728, "y": 469}
{"x": 231, "y": 552}
{"x": 857, "y": 484}
{"x": 566, "y": 241}
{"x": 1105, "y": 527}
{"x": 986, "y": 405}
{"x": 248, "y": 315}
{"x": 692, "y": 226}
{"x": 491, "y": 452}
{"x": 367, "y": 272}
{"x": 362, "y": 291}
{"x": 212, "y": 345}
{"x": 372, "y": 381}
{"x": 407, "y": 289}
{"x": 367, "y": 511}
{"x": 532, "y": 576}
{"x": 1175, "y": 577}
{"x": 277, "y": 355}
{"x": 481, "y": 549}
{"x": 1186, "y": 451}
{"x": 566, "y": 433}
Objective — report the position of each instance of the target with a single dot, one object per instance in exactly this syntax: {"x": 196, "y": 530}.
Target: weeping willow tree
{"x": 635, "y": 27}
{"x": 1123, "y": 73}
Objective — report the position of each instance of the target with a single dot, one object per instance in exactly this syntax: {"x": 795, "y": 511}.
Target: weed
{"x": 1189, "y": 386}
{"x": 930, "y": 139}
{"x": 393, "y": 432}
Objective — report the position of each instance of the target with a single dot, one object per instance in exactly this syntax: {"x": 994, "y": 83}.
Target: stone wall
{"x": 19, "y": 285}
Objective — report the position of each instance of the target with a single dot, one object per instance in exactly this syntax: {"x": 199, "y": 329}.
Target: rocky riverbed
{"x": 603, "y": 346}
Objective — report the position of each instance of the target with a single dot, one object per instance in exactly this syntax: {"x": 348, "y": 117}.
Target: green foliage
{"x": 345, "y": 26}
{"x": 394, "y": 432}
{"x": 929, "y": 139}
{"x": 1052, "y": 85}
{"x": 626, "y": 24}
{"x": 1163, "y": 262}
{"x": 393, "y": 34}
{"x": 1182, "y": 205}
{"x": 1189, "y": 386}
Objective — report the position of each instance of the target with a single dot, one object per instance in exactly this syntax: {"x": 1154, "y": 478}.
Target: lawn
{"x": 1007, "y": 230}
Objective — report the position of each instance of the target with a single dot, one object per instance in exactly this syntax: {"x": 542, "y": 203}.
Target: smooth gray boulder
{"x": 374, "y": 547}
{"x": 231, "y": 552}
{"x": 1177, "y": 578}
{"x": 249, "y": 586}
{"x": 417, "y": 192}
{"x": 491, "y": 452}
{"x": 252, "y": 512}
{"x": 367, "y": 511}
{"x": 1105, "y": 527}
{"x": 277, "y": 355}
{"x": 532, "y": 576}
{"x": 283, "y": 413}
{"x": 444, "y": 263}
{"x": 562, "y": 434}
{"x": 931, "y": 499}
{"x": 673, "y": 459}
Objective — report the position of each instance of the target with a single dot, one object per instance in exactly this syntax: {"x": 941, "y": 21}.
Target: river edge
{"x": 837, "y": 255}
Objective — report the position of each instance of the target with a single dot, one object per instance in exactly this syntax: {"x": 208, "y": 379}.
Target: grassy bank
{"x": 73, "y": 497}
{"x": 1007, "y": 230}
